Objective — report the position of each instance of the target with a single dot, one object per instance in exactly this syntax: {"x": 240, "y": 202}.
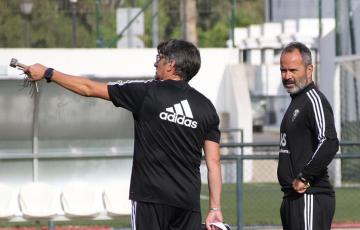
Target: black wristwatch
{"x": 48, "y": 74}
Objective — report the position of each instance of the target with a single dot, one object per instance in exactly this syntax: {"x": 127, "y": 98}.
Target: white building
{"x": 313, "y": 23}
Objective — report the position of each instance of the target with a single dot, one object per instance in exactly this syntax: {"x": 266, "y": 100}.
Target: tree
{"x": 51, "y": 21}
{"x": 188, "y": 16}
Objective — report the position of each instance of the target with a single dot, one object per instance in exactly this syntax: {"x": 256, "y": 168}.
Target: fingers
{"x": 213, "y": 216}
{"x": 28, "y": 74}
{"x": 299, "y": 186}
{"x": 35, "y": 72}
{"x": 209, "y": 227}
{"x": 301, "y": 190}
{"x": 207, "y": 224}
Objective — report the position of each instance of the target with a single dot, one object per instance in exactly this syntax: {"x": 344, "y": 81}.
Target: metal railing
{"x": 273, "y": 155}
{"x": 268, "y": 151}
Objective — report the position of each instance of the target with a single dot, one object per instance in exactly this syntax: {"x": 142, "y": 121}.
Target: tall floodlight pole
{"x": 188, "y": 15}
{"x": 26, "y": 9}
{"x": 183, "y": 18}
{"x": 317, "y": 76}
{"x": 268, "y": 10}
{"x": 233, "y": 18}
{"x": 155, "y": 23}
{"x": 342, "y": 28}
{"x": 99, "y": 39}
{"x": 353, "y": 51}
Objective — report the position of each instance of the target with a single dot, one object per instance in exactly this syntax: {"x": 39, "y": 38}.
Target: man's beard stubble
{"x": 299, "y": 85}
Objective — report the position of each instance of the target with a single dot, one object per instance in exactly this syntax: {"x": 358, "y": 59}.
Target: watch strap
{"x": 48, "y": 74}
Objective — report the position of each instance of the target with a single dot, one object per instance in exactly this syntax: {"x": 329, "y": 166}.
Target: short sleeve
{"x": 213, "y": 133}
{"x": 128, "y": 94}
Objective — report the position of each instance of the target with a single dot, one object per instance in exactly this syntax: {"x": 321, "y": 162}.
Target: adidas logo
{"x": 180, "y": 113}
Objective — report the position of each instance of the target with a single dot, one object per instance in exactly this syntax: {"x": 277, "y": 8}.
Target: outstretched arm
{"x": 80, "y": 85}
{"x": 212, "y": 157}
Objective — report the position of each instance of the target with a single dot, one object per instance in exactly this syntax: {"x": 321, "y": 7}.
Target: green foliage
{"x": 10, "y": 35}
{"x": 51, "y": 21}
{"x": 249, "y": 12}
{"x": 216, "y": 19}
{"x": 214, "y": 37}
{"x": 49, "y": 27}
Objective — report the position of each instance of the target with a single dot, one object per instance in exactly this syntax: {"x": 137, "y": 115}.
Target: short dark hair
{"x": 186, "y": 56}
{"x": 303, "y": 49}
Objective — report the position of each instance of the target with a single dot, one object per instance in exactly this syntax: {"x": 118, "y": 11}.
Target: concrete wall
{"x": 70, "y": 125}
{"x": 118, "y": 63}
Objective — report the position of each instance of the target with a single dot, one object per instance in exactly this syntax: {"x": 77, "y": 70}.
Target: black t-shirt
{"x": 171, "y": 120}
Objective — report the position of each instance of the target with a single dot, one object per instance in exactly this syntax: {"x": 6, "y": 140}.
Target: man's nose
{"x": 287, "y": 74}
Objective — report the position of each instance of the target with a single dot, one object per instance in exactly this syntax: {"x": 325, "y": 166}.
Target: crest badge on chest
{"x": 295, "y": 114}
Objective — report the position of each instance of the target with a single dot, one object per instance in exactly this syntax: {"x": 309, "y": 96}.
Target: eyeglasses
{"x": 159, "y": 57}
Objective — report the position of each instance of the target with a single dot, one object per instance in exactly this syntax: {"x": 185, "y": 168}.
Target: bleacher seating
{"x": 8, "y": 199}
{"x": 116, "y": 199}
{"x": 39, "y": 200}
{"x": 80, "y": 199}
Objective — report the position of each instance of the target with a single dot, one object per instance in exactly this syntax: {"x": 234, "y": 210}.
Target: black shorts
{"x": 152, "y": 216}
{"x": 307, "y": 212}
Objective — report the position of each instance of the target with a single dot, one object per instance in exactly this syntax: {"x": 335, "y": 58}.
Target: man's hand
{"x": 213, "y": 216}
{"x": 35, "y": 72}
{"x": 300, "y": 186}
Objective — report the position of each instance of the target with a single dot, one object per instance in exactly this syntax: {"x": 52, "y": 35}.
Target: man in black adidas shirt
{"x": 173, "y": 123}
{"x": 308, "y": 143}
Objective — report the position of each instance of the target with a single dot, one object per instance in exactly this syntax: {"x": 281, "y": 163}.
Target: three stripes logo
{"x": 180, "y": 114}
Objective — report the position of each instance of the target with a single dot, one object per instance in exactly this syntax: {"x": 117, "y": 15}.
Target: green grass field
{"x": 262, "y": 203}
{"x": 261, "y": 207}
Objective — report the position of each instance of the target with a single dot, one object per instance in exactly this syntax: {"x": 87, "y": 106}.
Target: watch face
{"x": 48, "y": 74}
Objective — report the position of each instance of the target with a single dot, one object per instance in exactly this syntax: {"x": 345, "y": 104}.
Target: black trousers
{"x": 152, "y": 216}
{"x": 308, "y": 212}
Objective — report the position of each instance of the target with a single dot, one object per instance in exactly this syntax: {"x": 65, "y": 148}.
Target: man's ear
{"x": 171, "y": 65}
{"x": 309, "y": 70}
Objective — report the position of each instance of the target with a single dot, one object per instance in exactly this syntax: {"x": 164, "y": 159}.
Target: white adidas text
{"x": 179, "y": 119}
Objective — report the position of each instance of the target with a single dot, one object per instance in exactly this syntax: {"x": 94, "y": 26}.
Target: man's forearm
{"x": 79, "y": 85}
{"x": 321, "y": 160}
{"x": 214, "y": 183}
{"x": 212, "y": 156}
